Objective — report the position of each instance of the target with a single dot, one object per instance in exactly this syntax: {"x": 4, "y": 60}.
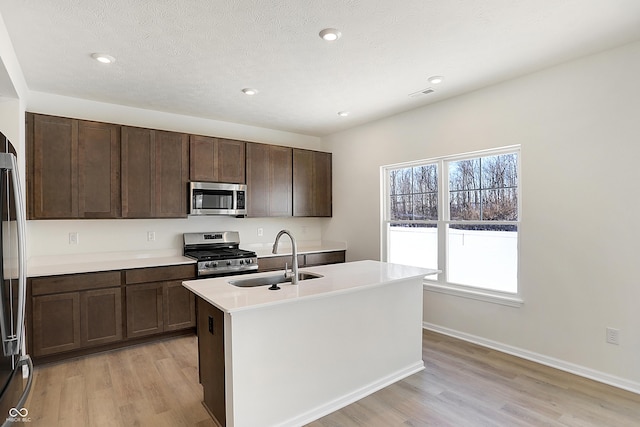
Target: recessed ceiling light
{"x": 343, "y": 113}
{"x": 103, "y": 58}
{"x": 330, "y": 34}
{"x": 435, "y": 79}
{"x": 249, "y": 91}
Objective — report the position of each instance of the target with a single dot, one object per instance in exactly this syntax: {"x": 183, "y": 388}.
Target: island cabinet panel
{"x": 71, "y": 312}
{"x": 312, "y": 192}
{"x": 154, "y": 173}
{"x": 269, "y": 180}
{"x": 211, "y": 359}
{"x": 216, "y": 160}
{"x": 73, "y": 168}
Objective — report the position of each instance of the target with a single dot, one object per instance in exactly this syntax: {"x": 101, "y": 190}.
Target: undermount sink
{"x": 271, "y": 280}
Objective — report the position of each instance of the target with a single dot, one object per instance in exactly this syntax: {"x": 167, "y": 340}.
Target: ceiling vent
{"x": 426, "y": 91}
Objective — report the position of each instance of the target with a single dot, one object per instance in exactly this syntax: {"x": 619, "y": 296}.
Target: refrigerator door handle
{"x": 13, "y": 344}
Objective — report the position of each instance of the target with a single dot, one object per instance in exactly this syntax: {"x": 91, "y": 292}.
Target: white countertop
{"x": 338, "y": 278}
{"x": 106, "y": 261}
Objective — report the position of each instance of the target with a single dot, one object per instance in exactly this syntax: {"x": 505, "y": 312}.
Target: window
{"x": 457, "y": 214}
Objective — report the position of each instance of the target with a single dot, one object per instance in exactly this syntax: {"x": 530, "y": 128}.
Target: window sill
{"x": 477, "y": 294}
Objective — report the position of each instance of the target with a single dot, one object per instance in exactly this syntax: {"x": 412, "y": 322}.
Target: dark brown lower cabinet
{"x": 56, "y": 323}
{"x": 74, "y": 314}
{"x": 100, "y": 316}
{"x": 304, "y": 260}
{"x": 179, "y": 306}
{"x": 144, "y": 309}
{"x": 70, "y": 312}
{"x": 211, "y": 359}
{"x": 156, "y": 300}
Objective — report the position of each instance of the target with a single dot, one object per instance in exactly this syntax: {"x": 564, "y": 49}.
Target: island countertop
{"x": 337, "y": 278}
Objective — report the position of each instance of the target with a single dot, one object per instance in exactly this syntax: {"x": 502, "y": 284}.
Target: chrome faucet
{"x": 294, "y": 249}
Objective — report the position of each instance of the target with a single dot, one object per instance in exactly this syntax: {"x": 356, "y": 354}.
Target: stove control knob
{"x": 248, "y": 261}
{"x": 228, "y": 262}
{"x": 213, "y": 264}
{"x": 241, "y": 262}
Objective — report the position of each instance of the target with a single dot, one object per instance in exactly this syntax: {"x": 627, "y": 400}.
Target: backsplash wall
{"x": 51, "y": 237}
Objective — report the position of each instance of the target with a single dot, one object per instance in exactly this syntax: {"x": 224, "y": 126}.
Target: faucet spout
{"x": 294, "y": 255}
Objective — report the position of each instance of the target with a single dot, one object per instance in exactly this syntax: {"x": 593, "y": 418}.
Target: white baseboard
{"x": 562, "y": 365}
{"x": 356, "y": 395}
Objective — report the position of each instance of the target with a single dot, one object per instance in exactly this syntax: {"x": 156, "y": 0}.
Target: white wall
{"x": 579, "y": 126}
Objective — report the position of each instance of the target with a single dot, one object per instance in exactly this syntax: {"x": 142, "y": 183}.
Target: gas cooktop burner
{"x": 218, "y": 254}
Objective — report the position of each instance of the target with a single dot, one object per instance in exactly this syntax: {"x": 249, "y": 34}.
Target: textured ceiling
{"x": 193, "y": 57}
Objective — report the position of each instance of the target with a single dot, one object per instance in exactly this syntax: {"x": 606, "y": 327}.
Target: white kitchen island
{"x": 287, "y": 357}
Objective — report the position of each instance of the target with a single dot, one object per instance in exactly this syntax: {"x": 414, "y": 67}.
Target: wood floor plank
{"x": 463, "y": 384}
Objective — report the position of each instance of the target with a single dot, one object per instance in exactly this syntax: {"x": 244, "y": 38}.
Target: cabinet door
{"x": 323, "y": 190}
{"x": 280, "y": 183}
{"x": 138, "y": 173}
{"x": 312, "y": 183}
{"x": 202, "y": 156}
{"x": 98, "y": 170}
{"x": 230, "y": 161}
{"x": 52, "y": 152}
{"x": 56, "y": 323}
{"x": 144, "y": 309}
{"x": 269, "y": 180}
{"x": 258, "y": 192}
{"x": 303, "y": 183}
{"x": 171, "y": 174}
{"x": 179, "y": 306}
{"x": 101, "y": 316}
{"x": 216, "y": 160}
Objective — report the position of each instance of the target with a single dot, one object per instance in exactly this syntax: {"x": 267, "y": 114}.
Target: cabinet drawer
{"x": 324, "y": 258}
{"x": 277, "y": 262}
{"x": 74, "y": 282}
{"x": 160, "y": 274}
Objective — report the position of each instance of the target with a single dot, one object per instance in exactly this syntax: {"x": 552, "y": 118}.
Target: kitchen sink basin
{"x": 271, "y": 280}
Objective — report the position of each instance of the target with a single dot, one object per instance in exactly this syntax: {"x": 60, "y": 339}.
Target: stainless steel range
{"x": 218, "y": 254}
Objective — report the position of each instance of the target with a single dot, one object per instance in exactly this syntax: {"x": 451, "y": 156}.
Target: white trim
{"x": 552, "y": 362}
{"x": 354, "y": 396}
{"x": 511, "y": 300}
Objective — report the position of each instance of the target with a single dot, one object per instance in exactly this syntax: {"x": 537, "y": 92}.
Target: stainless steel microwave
{"x": 210, "y": 198}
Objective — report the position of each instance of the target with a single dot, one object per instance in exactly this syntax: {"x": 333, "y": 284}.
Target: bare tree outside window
{"x": 474, "y": 239}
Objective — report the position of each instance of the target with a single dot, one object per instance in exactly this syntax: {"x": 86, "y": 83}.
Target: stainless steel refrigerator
{"x": 14, "y": 362}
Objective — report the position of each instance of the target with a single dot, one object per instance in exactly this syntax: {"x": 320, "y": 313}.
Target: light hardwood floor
{"x": 463, "y": 385}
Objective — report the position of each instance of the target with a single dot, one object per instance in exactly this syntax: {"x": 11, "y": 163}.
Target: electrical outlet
{"x": 260, "y": 232}
{"x": 151, "y": 236}
{"x": 613, "y": 336}
{"x": 73, "y": 238}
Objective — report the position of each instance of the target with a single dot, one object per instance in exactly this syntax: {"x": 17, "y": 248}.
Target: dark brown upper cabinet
{"x": 269, "y": 183}
{"x": 154, "y": 173}
{"x": 216, "y": 160}
{"x": 73, "y": 168}
{"x": 311, "y": 183}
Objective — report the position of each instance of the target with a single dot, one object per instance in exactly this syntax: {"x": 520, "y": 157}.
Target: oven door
{"x": 208, "y": 198}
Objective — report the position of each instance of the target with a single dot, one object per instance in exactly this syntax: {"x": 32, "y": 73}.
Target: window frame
{"x": 439, "y": 284}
